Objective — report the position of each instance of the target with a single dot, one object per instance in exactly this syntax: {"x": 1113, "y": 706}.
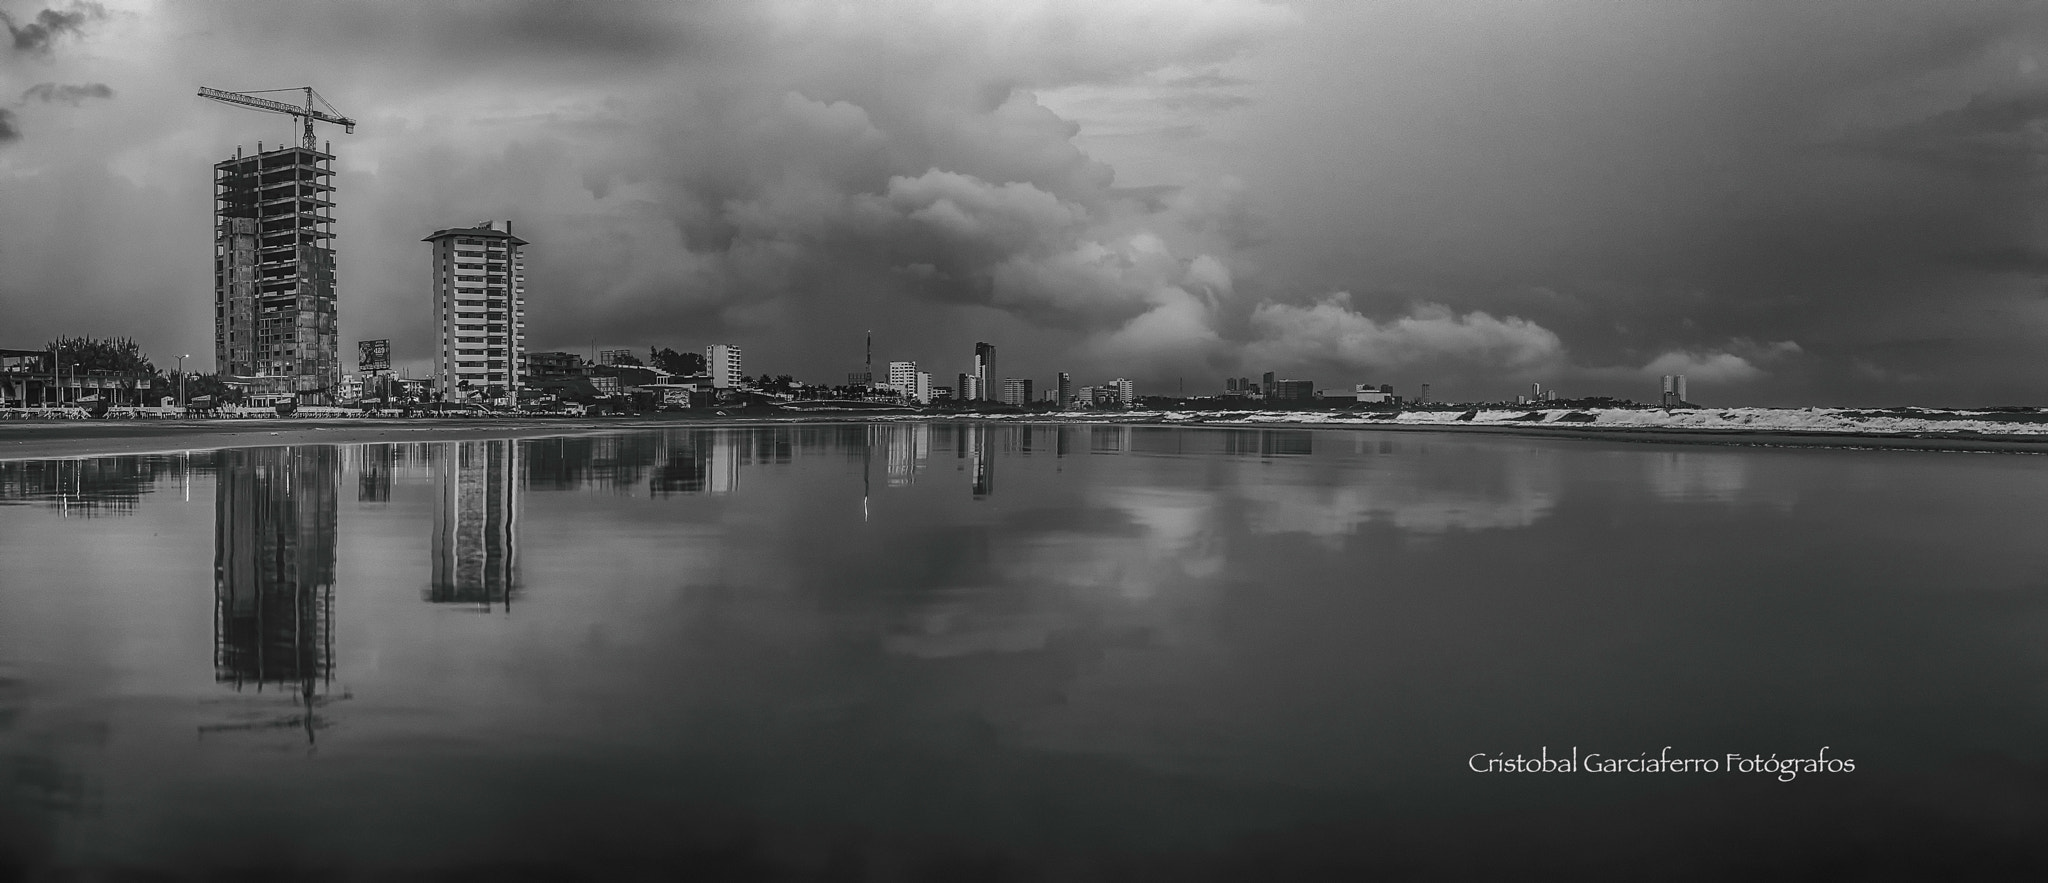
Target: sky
{"x": 1792, "y": 204}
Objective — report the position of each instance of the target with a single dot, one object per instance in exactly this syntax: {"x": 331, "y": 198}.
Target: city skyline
{"x": 1347, "y": 192}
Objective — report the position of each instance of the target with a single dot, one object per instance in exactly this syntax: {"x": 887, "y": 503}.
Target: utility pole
{"x": 181, "y": 379}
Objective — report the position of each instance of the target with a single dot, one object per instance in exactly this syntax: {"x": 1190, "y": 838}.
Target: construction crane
{"x": 307, "y": 113}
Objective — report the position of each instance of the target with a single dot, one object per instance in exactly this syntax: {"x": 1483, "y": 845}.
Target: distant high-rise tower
{"x": 1126, "y": 391}
{"x": 274, "y": 320}
{"x": 1064, "y": 389}
{"x": 1016, "y": 391}
{"x": 479, "y": 312}
{"x": 1674, "y": 390}
{"x": 984, "y": 367}
{"x": 724, "y": 361}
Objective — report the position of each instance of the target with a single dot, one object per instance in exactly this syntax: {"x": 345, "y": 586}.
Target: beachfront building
{"x": 724, "y": 361}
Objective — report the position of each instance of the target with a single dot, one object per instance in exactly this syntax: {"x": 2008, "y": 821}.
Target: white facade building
{"x": 723, "y": 359}
{"x": 903, "y": 376}
{"x": 479, "y": 312}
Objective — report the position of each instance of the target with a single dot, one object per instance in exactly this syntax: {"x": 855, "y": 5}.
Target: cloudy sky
{"x": 1817, "y": 203}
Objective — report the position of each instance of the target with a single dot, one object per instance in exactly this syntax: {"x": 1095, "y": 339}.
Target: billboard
{"x": 375, "y": 355}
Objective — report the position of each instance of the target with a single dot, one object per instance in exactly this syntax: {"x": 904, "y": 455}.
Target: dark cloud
{"x": 1119, "y": 186}
{"x": 67, "y": 93}
{"x": 36, "y": 37}
{"x": 1996, "y": 135}
{"x": 2017, "y": 259}
{"x": 8, "y": 130}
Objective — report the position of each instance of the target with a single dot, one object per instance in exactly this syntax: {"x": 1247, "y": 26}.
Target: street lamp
{"x": 181, "y": 379}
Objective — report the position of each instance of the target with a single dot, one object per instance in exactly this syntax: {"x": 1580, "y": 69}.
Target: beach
{"x": 36, "y": 439}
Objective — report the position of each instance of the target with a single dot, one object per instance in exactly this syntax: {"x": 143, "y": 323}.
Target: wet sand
{"x": 38, "y": 439}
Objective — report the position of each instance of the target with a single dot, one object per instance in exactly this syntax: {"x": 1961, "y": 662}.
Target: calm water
{"x": 963, "y": 652}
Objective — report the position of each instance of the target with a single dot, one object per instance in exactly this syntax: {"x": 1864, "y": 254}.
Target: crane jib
{"x": 306, "y": 113}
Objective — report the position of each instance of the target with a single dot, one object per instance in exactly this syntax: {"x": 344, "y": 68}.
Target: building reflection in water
{"x": 374, "y": 465}
{"x": 1109, "y": 439}
{"x": 274, "y": 534}
{"x": 476, "y": 524}
{"x": 907, "y": 446}
{"x": 93, "y": 486}
{"x": 1269, "y": 443}
{"x": 980, "y": 463}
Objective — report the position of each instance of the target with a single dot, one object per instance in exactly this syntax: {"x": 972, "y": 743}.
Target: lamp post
{"x": 181, "y": 379}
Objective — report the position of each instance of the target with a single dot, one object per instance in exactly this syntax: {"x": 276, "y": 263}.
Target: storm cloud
{"x": 1571, "y": 192}
{"x": 43, "y": 29}
{"x": 66, "y": 93}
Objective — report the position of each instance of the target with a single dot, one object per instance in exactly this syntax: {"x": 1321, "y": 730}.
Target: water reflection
{"x": 1122, "y": 657}
{"x": 1424, "y": 496}
{"x": 1270, "y": 443}
{"x": 476, "y": 524}
{"x": 980, "y": 465}
{"x": 90, "y": 487}
{"x": 275, "y": 514}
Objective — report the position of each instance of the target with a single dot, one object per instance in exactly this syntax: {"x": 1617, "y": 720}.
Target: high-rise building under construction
{"x": 274, "y": 318}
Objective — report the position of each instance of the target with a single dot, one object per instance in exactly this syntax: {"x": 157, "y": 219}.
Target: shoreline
{"x": 71, "y": 439}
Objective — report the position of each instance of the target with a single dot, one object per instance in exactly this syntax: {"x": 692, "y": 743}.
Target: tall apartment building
{"x": 915, "y": 384}
{"x": 984, "y": 367}
{"x": 1016, "y": 392}
{"x": 1126, "y": 391}
{"x": 903, "y": 376}
{"x": 724, "y": 361}
{"x": 479, "y": 312}
{"x": 274, "y": 318}
{"x": 1064, "y": 390}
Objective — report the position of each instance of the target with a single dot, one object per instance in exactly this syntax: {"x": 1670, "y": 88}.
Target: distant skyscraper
{"x": 923, "y": 393}
{"x": 984, "y": 368}
{"x": 1064, "y": 390}
{"x": 1016, "y": 391}
{"x": 1674, "y": 390}
{"x": 1126, "y": 391}
{"x": 1425, "y": 393}
{"x": 1266, "y": 384}
{"x": 479, "y": 311}
{"x": 274, "y": 314}
{"x": 724, "y": 362}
